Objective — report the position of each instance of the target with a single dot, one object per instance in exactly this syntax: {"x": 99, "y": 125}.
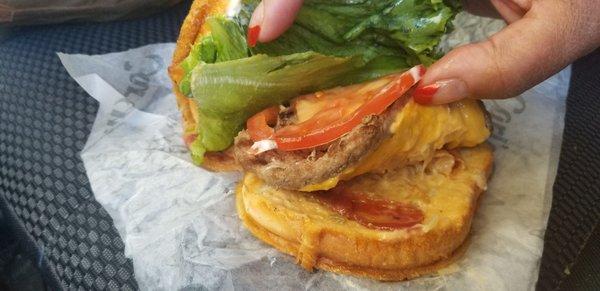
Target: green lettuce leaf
{"x": 407, "y": 29}
{"x": 225, "y": 43}
{"x": 229, "y": 93}
{"x": 332, "y": 43}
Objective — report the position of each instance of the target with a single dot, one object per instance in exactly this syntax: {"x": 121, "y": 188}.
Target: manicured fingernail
{"x": 441, "y": 92}
{"x": 255, "y": 23}
{"x": 424, "y": 95}
{"x": 253, "y": 33}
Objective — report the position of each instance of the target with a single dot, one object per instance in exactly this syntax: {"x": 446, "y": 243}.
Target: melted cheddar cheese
{"x": 445, "y": 189}
{"x": 416, "y": 133}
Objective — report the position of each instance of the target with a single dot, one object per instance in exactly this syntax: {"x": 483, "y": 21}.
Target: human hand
{"x": 543, "y": 36}
{"x": 271, "y": 18}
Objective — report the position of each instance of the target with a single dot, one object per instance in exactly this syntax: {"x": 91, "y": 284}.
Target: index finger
{"x": 271, "y": 18}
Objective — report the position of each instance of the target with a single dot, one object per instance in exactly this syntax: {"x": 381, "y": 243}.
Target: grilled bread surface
{"x": 446, "y": 190}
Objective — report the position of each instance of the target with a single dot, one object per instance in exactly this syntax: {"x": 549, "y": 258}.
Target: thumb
{"x": 271, "y": 18}
{"x": 521, "y": 55}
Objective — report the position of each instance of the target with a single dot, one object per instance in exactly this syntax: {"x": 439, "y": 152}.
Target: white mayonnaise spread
{"x": 262, "y": 146}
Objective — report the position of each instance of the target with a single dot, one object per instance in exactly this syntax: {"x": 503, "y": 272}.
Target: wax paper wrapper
{"x": 179, "y": 222}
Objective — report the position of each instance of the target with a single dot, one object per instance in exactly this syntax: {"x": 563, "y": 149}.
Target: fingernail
{"x": 254, "y": 26}
{"x": 424, "y": 95}
{"x": 253, "y": 33}
{"x": 441, "y": 92}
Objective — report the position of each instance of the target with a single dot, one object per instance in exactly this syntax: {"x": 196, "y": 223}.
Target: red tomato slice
{"x": 346, "y": 110}
{"x": 258, "y": 125}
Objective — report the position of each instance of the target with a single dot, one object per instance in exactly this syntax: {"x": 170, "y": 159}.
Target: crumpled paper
{"x": 179, "y": 223}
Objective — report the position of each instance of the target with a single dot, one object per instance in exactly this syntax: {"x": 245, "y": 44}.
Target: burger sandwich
{"x": 343, "y": 169}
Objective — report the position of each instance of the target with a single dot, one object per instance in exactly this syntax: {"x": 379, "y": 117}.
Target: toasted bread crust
{"x": 323, "y": 263}
{"x": 193, "y": 28}
{"x": 357, "y": 250}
